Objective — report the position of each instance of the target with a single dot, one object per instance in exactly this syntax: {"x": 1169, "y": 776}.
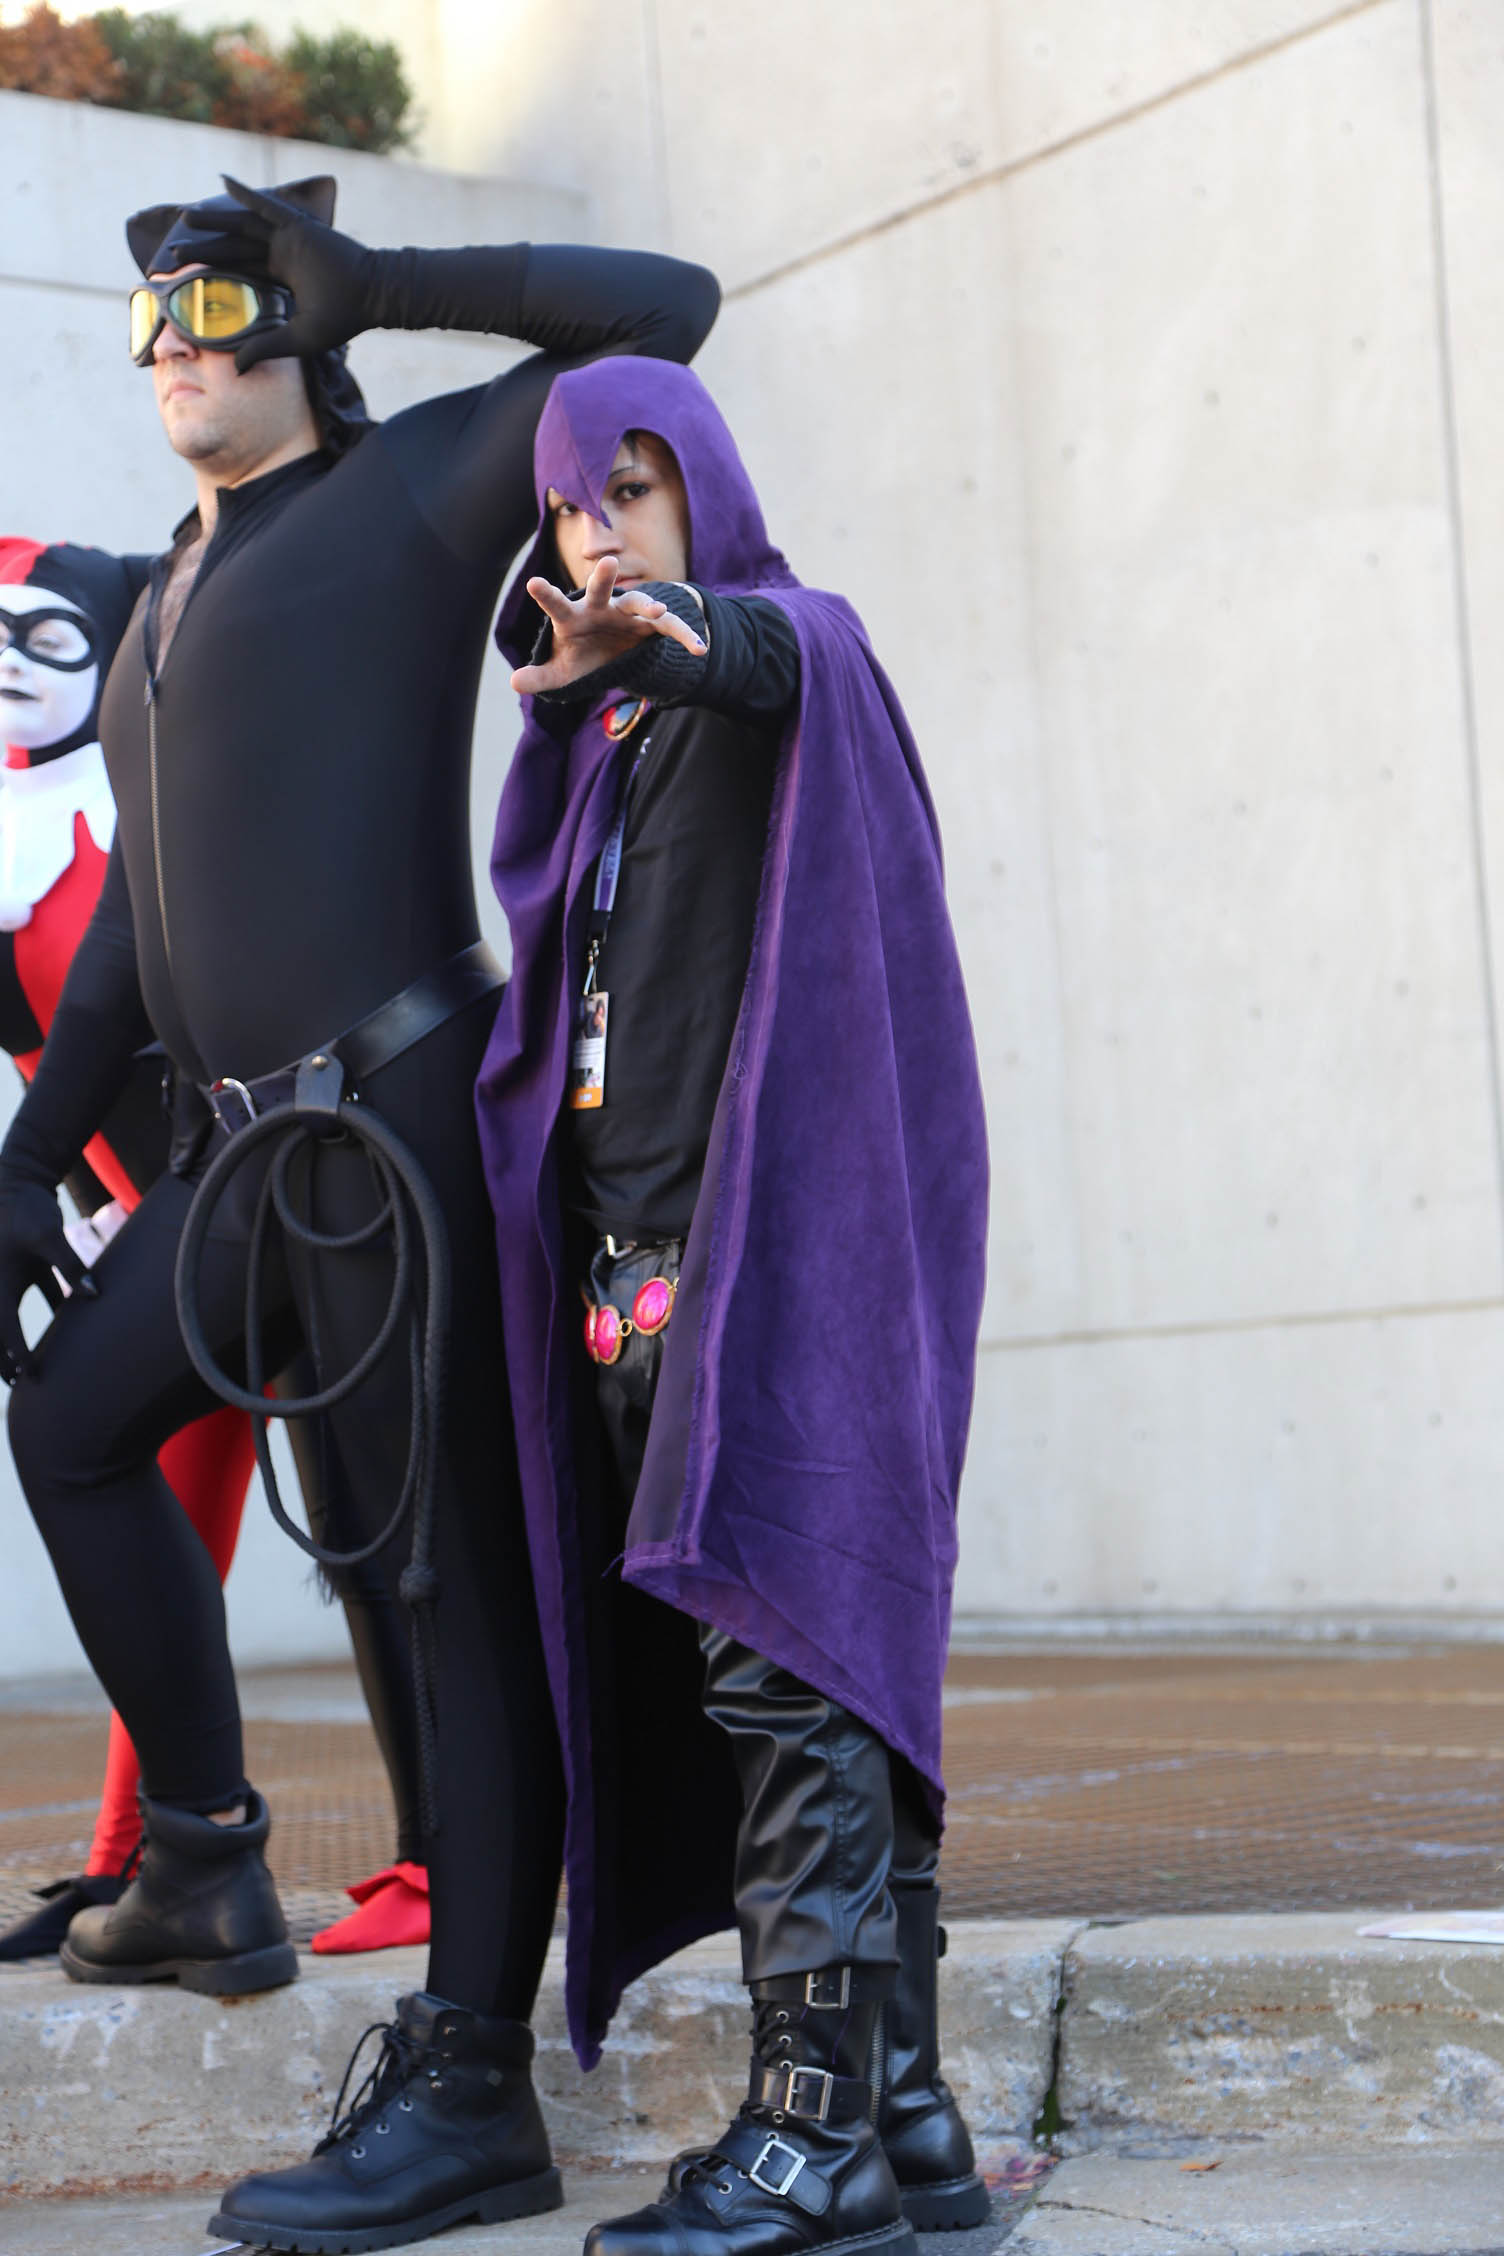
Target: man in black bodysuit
{"x": 292, "y": 854}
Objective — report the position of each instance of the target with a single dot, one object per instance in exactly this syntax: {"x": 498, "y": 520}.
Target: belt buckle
{"x": 822, "y": 2003}
{"x": 229, "y": 1085}
{"x": 783, "y": 2147}
{"x": 827, "y": 2084}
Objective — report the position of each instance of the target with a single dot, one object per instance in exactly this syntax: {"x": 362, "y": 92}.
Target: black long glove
{"x": 33, "y": 1245}
{"x": 340, "y": 287}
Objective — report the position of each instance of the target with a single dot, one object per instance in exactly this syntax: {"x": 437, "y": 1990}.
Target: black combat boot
{"x": 202, "y": 1910}
{"x": 39, "y": 1933}
{"x": 921, "y": 2127}
{"x": 446, "y": 2129}
{"x": 801, "y": 2166}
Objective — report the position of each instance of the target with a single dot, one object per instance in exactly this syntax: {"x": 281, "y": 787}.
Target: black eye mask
{"x": 18, "y": 627}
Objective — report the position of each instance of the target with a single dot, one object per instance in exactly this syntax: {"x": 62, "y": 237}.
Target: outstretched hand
{"x": 34, "y": 1250}
{"x": 327, "y": 273}
{"x": 594, "y": 628}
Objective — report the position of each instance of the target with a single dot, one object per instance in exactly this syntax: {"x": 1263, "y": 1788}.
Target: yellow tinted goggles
{"x": 217, "y": 311}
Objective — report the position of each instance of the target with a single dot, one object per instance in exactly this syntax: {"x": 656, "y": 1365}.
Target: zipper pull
{"x": 151, "y": 691}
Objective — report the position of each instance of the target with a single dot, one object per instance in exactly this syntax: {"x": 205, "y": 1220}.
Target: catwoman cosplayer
{"x": 291, "y": 880}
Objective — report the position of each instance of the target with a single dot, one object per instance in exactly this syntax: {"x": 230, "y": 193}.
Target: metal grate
{"x": 1095, "y": 1784}
{"x": 1108, "y": 1785}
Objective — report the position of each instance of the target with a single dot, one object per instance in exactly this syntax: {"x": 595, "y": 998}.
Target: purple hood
{"x": 799, "y": 1490}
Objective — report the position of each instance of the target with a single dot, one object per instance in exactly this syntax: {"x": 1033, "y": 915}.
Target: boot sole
{"x": 525, "y": 2197}
{"x": 265, "y": 1969}
{"x": 955, "y": 2206}
{"x": 895, "y": 2240}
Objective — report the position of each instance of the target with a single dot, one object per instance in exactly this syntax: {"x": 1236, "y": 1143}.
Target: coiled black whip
{"x": 405, "y": 1195}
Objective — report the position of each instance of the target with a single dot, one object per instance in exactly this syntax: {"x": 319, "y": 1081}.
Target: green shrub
{"x": 355, "y": 90}
{"x": 346, "y": 90}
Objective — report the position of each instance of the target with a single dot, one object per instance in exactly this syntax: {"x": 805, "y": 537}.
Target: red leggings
{"x": 208, "y": 1467}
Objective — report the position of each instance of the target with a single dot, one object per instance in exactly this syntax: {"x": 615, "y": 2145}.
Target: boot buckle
{"x": 818, "y": 1989}
{"x": 792, "y": 2103}
{"x": 796, "y": 2164}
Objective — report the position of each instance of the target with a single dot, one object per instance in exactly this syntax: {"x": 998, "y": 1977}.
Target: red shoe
{"x": 393, "y": 1910}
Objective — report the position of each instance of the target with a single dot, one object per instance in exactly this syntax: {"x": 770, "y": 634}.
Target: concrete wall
{"x": 1136, "y": 371}
{"x": 82, "y": 457}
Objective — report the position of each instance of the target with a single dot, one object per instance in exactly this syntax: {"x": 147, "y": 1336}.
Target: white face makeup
{"x": 38, "y": 704}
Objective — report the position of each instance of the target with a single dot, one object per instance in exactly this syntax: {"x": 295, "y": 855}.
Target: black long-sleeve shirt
{"x": 674, "y": 958}
{"x": 292, "y": 781}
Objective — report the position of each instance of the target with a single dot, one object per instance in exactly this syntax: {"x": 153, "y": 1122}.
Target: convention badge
{"x": 587, "y": 1053}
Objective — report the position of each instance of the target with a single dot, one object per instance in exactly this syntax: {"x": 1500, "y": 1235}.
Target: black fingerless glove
{"x": 657, "y": 667}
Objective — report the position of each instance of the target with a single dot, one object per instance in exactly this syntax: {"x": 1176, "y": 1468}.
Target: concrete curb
{"x": 1278, "y": 2026}
{"x": 105, "y": 2090}
{"x": 1157, "y": 2032}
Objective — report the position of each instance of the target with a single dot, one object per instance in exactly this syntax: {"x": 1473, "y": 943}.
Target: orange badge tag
{"x": 587, "y": 1054}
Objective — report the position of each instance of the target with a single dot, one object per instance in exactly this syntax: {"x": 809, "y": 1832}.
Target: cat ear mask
{"x": 220, "y": 231}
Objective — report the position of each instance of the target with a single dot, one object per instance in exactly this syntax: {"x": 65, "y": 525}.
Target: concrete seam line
{"x": 1067, "y": 141}
{"x": 67, "y": 289}
{"x": 1214, "y": 1326}
{"x": 1130, "y": 2216}
{"x": 1461, "y": 605}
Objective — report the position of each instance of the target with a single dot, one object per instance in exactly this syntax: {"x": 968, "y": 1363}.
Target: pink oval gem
{"x": 607, "y": 1334}
{"x": 650, "y": 1310}
{"x": 590, "y": 1317}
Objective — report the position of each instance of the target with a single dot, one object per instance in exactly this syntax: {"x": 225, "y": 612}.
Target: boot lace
{"x": 400, "y": 2057}
{"x": 773, "y": 2042}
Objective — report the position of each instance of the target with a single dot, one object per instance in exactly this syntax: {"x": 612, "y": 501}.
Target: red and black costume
{"x": 57, "y": 827}
{"x": 57, "y": 824}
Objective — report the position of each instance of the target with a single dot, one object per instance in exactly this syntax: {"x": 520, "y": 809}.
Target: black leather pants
{"x": 816, "y": 1838}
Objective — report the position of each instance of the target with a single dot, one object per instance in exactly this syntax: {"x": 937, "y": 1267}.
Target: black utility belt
{"x": 327, "y": 1076}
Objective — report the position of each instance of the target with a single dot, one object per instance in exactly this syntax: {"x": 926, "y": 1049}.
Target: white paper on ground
{"x": 1440, "y": 1927}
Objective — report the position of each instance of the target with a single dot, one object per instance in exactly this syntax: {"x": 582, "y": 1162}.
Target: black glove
{"x": 340, "y": 288}
{"x": 332, "y": 277}
{"x": 33, "y": 1245}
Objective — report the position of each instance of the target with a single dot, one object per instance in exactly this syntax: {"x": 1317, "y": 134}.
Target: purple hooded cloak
{"x": 799, "y": 1489}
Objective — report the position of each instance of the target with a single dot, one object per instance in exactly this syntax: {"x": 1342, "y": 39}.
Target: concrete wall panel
{"x": 879, "y": 108}
{"x": 1238, "y": 549}
{"x": 61, "y": 235}
{"x": 568, "y": 96}
{"x": 1163, "y": 570}
{"x": 751, "y": 136}
{"x": 1295, "y": 1468}
{"x": 889, "y": 471}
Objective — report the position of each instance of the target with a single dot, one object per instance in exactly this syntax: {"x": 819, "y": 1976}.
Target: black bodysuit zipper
{"x": 156, "y": 819}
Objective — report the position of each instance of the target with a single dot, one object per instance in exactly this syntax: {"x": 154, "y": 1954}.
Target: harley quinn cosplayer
{"x": 63, "y": 610}
{"x": 287, "y": 730}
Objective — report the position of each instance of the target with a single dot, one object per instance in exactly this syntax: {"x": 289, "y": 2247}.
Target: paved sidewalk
{"x": 1240, "y": 2203}
{"x": 1254, "y": 2202}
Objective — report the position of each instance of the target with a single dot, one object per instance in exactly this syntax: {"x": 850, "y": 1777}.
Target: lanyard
{"x": 608, "y": 870}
